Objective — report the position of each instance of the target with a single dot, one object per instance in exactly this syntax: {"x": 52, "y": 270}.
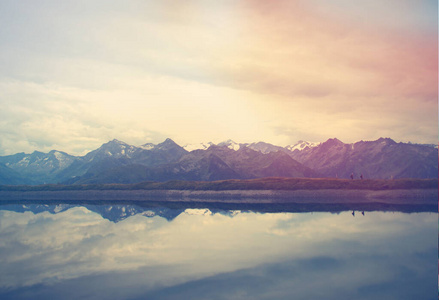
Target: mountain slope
{"x": 264, "y": 147}
{"x": 38, "y": 167}
{"x": 118, "y": 162}
{"x": 215, "y": 163}
{"x": 11, "y": 177}
{"x": 104, "y": 161}
{"x": 301, "y": 145}
{"x": 383, "y": 158}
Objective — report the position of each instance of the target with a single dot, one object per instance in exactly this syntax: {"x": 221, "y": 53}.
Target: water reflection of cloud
{"x": 311, "y": 278}
{"x": 196, "y": 249}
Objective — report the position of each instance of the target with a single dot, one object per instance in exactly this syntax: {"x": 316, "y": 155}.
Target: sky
{"x": 76, "y": 74}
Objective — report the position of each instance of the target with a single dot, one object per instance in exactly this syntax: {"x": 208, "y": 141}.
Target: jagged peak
{"x": 113, "y": 142}
{"x": 57, "y": 151}
{"x": 302, "y": 145}
{"x": 261, "y": 143}
{"x": 37, "y": 153}
{"x": 116, "y": 141}
{"x": 108, "y": 149}
{"x": 230, "y": 144}
{"x": 167, "y": 142}
{"x": 386, "y": 140}
{"x": 334, "y": 140}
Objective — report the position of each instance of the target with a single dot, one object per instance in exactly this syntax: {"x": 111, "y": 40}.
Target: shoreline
{"x": 257, "y": 184}
{"x": 400, "y": 196}
{"x": 407, "y": 201}
{"x": 272, "y": 194}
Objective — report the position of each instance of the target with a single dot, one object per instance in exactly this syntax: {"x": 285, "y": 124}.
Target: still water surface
{"x": 130, "y": 252}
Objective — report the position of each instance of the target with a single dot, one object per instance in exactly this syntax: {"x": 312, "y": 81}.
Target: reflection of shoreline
{"x": 270, "y": 201}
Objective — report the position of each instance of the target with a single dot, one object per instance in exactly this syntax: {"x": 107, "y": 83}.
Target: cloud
{"x": 208, "y": 71}
{"x": 40, "y": 116}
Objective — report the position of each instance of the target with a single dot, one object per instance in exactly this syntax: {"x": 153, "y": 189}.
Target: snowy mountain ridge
{"x": 119, "y": 162}
{"x": 198, "y": 146}
{"x": 302, "y": 145}
{"x": 230, "y": 144}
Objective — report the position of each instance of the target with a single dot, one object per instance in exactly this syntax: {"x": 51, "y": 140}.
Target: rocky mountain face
{"x": 301, "y": 145}
{"x": 36, "y": 167}
{"x": 11, "y": 177}
{"x": 112, "y": 159}
{"x": 383, "y": 158}
{"x": 118, "y": 162}
{"x": 215, "y": 163}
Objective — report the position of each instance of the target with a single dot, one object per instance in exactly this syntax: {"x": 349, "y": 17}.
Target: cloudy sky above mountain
{"x": 75, "y": 74}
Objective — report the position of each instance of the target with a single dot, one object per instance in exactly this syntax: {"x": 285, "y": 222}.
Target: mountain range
{"x": 118, "y": 162}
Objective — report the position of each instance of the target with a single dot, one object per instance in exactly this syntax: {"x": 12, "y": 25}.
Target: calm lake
{"x": 131, "y": 252}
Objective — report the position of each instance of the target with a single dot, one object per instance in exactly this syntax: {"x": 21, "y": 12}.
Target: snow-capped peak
{"x": 230, "y": 144}
{"x": 64, "y": 159}
{"x": 263, "y": 147}
{"x": 167, "y": 144}
{"x": 113, "y": 148}
{"x": 116, "y": 142}
{"x": 147, "y": 146}
{"x": 192, "y": 147}
{"x": 301, "y": 145}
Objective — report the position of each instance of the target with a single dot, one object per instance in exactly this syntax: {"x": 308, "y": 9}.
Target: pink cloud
{"x": 294, "y": 49}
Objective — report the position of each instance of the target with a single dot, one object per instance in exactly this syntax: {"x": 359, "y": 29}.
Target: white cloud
{"x": 74, "y": 75}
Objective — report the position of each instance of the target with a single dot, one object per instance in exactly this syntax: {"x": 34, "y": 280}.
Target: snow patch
{"x": 262, "y": 147}
{"x": 148, "y": 213}
{"x": 230, "y": 144}
{"x": 301, "y": 145}
{"x": 148, "y": 146}
{"x": 192, "y": 147}
{"x": 198, "y": 212}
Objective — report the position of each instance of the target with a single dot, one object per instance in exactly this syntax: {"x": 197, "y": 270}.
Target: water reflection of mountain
{"x": 118, "y": 211}
{"x": 114, "y": 213}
